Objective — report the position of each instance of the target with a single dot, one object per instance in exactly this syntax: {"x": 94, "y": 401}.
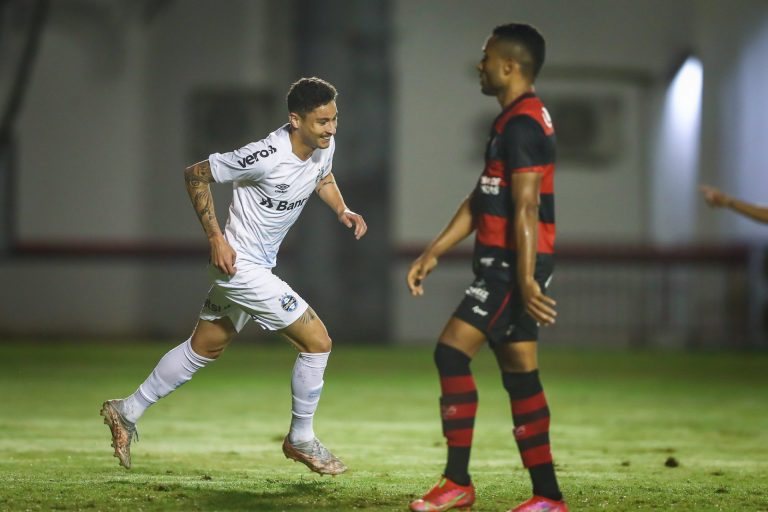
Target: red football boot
{"x": 445, "y": 495}
{"x": 541, "y": 504}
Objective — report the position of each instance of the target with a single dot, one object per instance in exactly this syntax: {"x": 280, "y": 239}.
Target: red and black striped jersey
{"x": 522, "y": 140}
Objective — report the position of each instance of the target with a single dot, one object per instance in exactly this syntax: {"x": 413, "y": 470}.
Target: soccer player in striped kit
{"x": 511, "y": 210}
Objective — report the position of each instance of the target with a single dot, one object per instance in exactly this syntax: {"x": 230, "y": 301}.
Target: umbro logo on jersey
{"x": 282, "y": 205}
{"x": 281, "y": 188}
{"x": 254, "y": 157}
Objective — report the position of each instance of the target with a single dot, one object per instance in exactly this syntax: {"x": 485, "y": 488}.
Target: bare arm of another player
{"x": 331, "y": 195}
{"x": 525, "y": 194}
{"x": 198, "y": 178}
{"x": 459, "y": 228}
{"x": 716, "y": 198}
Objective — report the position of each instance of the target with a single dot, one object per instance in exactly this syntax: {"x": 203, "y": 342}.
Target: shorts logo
{"x": 281, "y": 188}
{"x": 478, "y": 293}
{"x": 288, "y": 302}
{"x": 215, "y": 307}
{"x": 478, "y": 311}
{"x": 486, "y": 262}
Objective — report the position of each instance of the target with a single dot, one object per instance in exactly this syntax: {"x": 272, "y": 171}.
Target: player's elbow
{"x": 198, "y": 173}
{"x": 527, "y": 207}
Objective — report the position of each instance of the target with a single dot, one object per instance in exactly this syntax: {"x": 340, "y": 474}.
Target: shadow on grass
{"x": 273, "y": 495}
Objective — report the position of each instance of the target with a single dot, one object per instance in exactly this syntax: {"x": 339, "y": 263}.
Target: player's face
{"x": 317, "y": 127}
{"x": 493, "y": 68}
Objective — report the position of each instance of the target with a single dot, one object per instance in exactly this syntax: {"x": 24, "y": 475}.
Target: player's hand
{"x": 420, "y": 268}
{"x": 352, "y": 219}
{"x": 223, "y": 256}
{"x": 714, "y": 197}
{"x": 538, "y": 305}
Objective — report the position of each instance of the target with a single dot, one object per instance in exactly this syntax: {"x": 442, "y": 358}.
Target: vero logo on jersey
{"x": 281, "y": 206}
{"x": 254, "y": 157}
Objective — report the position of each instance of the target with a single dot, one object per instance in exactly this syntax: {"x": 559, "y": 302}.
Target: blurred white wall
{"x": 104, "y": 127}
{"x": 80, "y": 131}
{"x": 734, "y": 50}
{"x": 102, "y": 152}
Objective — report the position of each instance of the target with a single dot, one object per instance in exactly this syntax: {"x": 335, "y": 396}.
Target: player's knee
{"x": 320, "y": 344}
{"x": 211, "y": 352}
{"x": 450, "y": 360}
{"x": 518, "y": 357}
{"x": 519, "y": 366}
{"x": 210, "y": 338}
{"x": 210, "y": 348}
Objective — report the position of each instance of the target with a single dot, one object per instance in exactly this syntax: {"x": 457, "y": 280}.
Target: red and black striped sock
{"x": 458, "y": 405}
{"x": 530, "y": 415}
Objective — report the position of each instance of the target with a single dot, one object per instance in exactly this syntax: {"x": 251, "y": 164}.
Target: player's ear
{"x": 294, "y": 119}
{"x": 511, "y": 65}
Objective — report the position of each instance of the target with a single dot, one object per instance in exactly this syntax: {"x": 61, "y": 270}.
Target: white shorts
{"x": 253, "y": 292}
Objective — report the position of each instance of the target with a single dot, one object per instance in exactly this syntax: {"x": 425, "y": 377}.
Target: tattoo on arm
{"x": 324, "y": 184}
{"x": 198, "y": 178}
{"x": 328, "y": 180}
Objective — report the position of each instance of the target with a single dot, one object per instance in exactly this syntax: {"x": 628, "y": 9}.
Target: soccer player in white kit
{"x": 272, "y": 180}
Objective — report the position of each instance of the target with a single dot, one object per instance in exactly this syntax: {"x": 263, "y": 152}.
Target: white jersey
{"x": 271, "y": 185}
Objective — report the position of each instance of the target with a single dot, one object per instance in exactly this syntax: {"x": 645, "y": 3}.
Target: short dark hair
{"x": 527, "y": 39}
{"x": 306, "y": 94}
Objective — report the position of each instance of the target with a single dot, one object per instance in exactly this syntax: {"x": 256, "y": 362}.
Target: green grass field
{"x": 215, "y": 443}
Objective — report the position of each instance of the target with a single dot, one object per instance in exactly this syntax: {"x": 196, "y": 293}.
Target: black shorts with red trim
{"x": 496, "y": 308}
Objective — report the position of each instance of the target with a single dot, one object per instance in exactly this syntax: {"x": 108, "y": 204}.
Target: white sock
{"x": 306, "y": 386}
{"x": 174, "y": 369}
